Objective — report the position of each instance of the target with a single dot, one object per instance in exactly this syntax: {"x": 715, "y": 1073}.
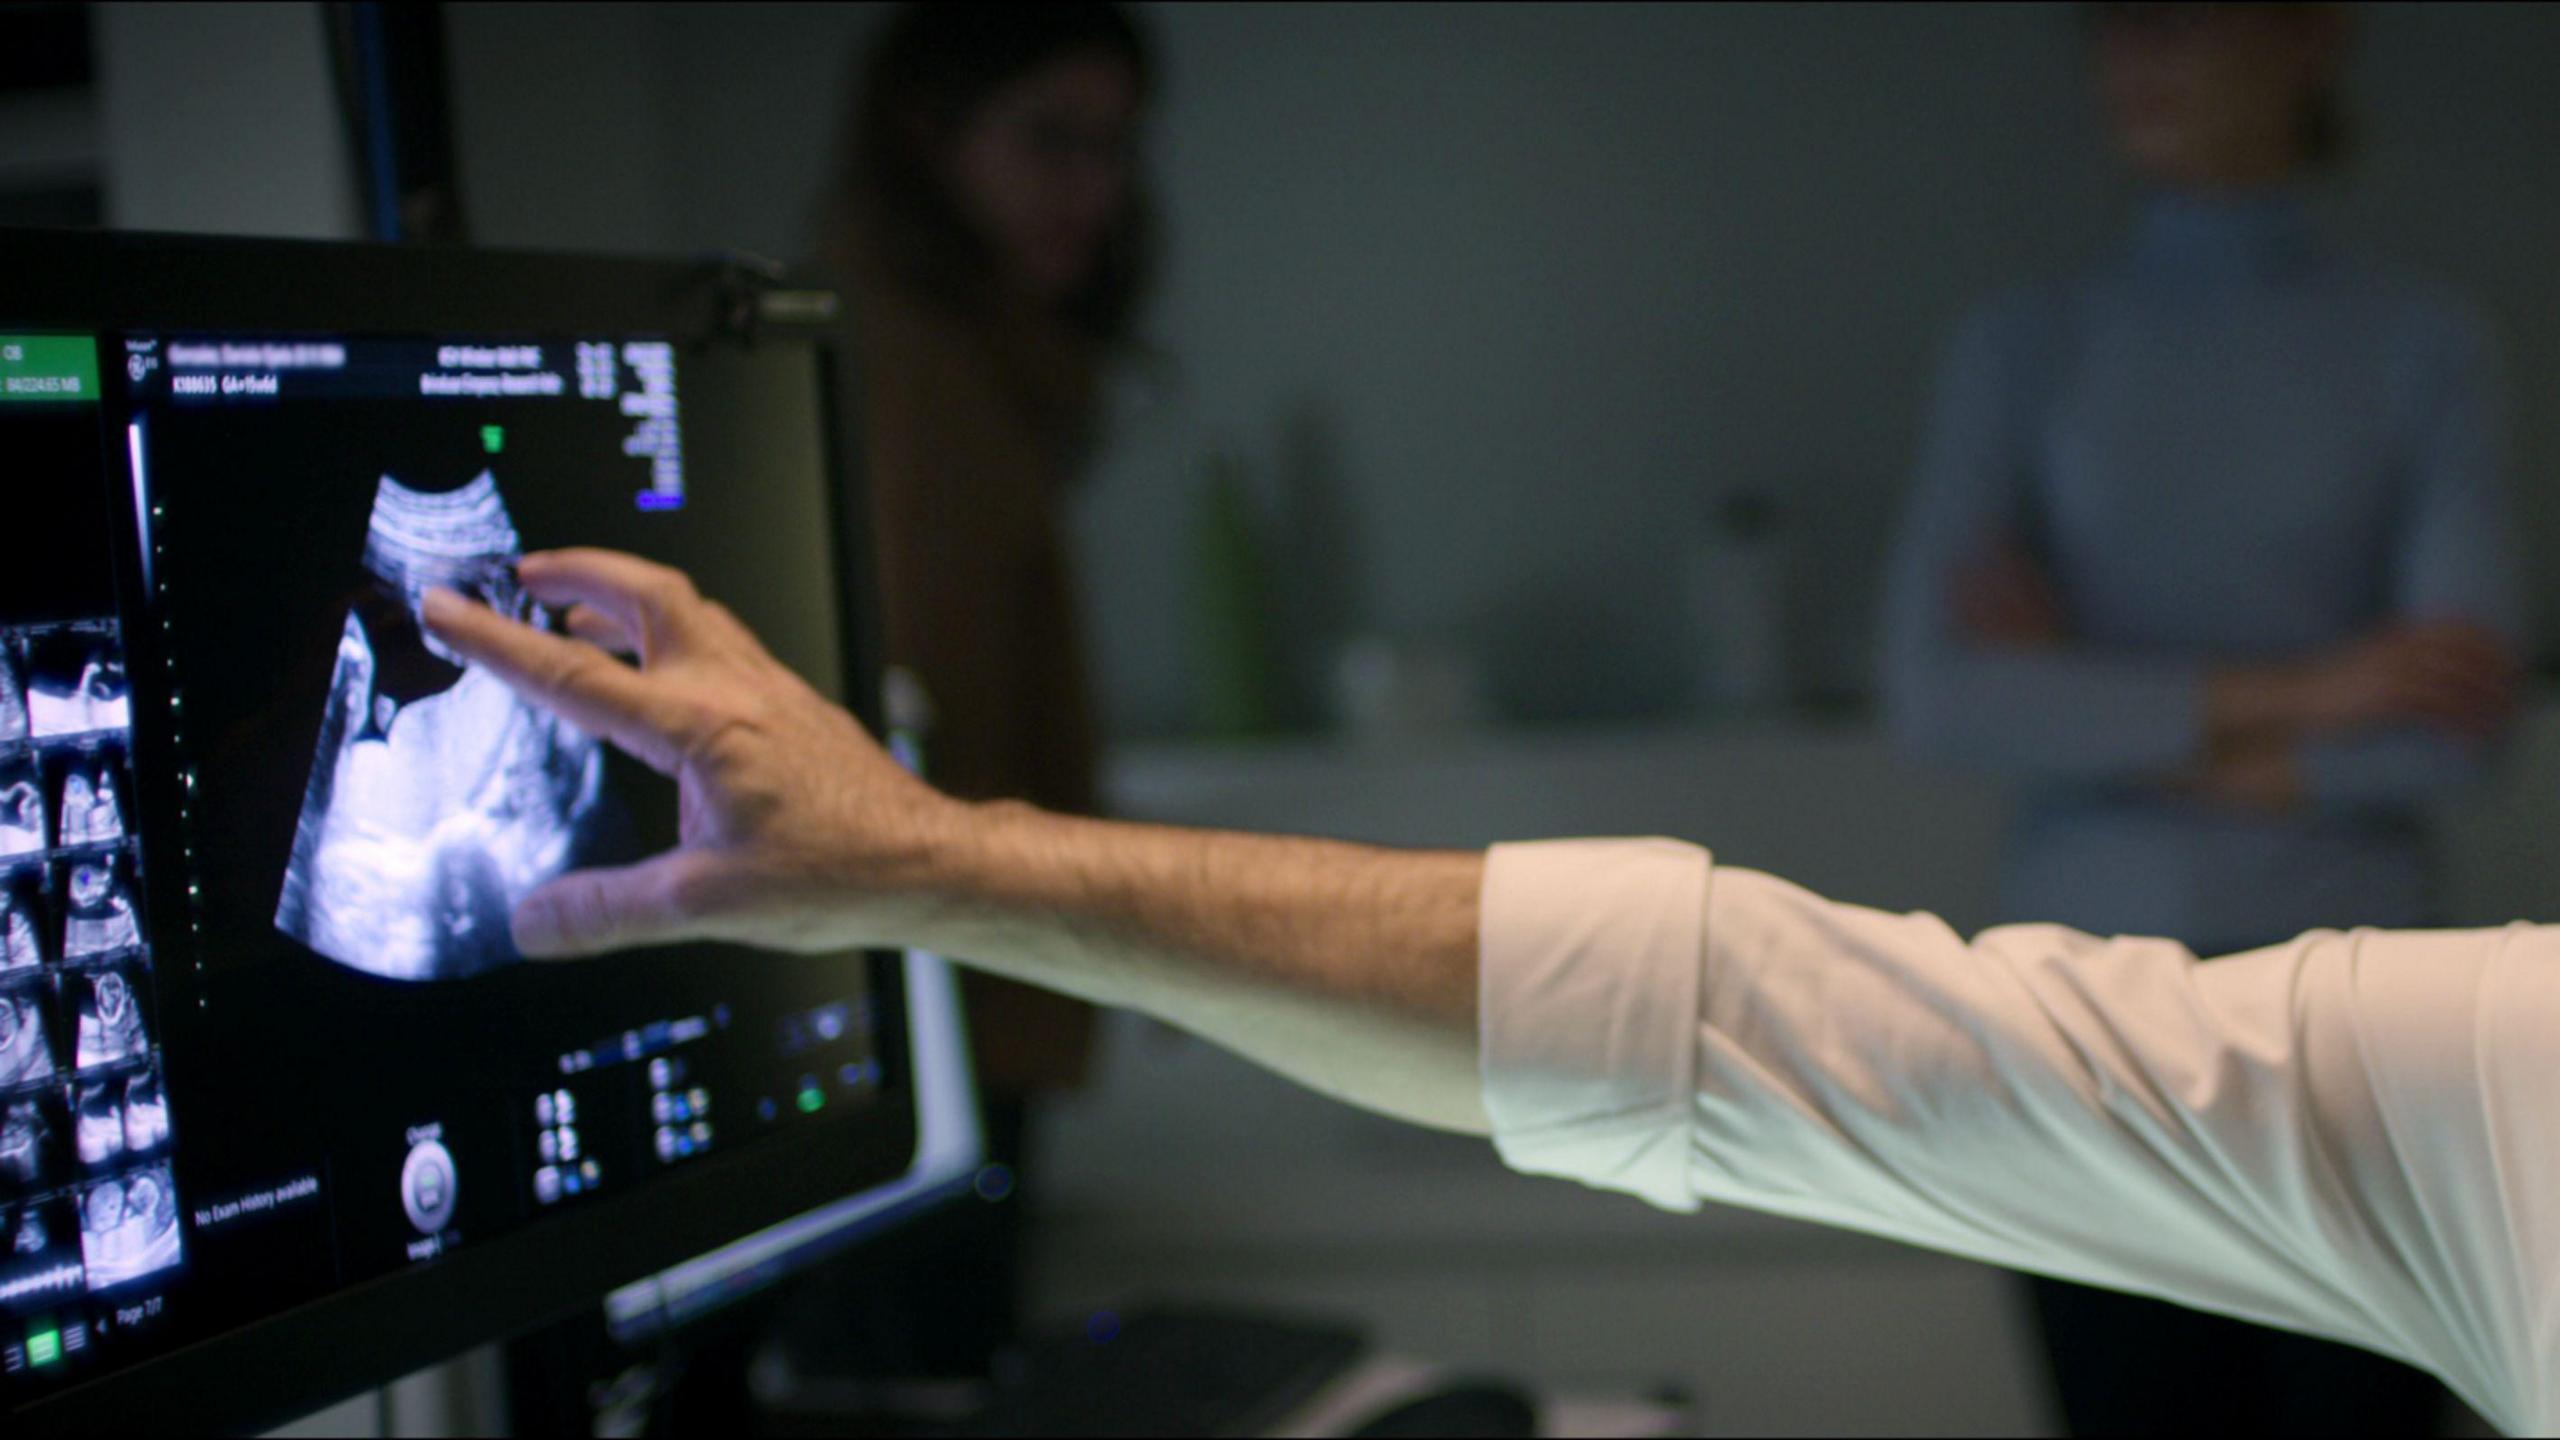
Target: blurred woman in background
{"x": 986, "y": 221}
{"x": 2209, "y": 556}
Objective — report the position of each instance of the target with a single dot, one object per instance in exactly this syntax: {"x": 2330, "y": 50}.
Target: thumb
{"x": 590, "y": 912}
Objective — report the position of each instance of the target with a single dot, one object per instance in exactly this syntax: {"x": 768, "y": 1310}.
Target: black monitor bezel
{"x": 290, "y": 1363}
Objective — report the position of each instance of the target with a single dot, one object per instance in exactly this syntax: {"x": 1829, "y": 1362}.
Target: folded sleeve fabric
{"x": 1589, "y": 1066}
{"x": 2351, "y": 1134}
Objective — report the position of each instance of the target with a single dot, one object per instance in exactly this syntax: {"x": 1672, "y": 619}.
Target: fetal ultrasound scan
{"x": 118, "y": 1118}
{"x": 146, "y": 1113}
{"x": 106, "y": 1018}
{"x": 85, "y": 792}
{"x": 39, "y": 1256}
{"x": 96, "y": 896}
{"x": 437, "y": 799}
{"x": 76, "y": 683}
{"x": 31, "y": 1133}
{"x": 21, "y": 912}
{"x": 13, "y": 694}
{"x": 22, "y": 808}
{"x": 97, "y": 1126}
{"x": 26, "y": 1040}
{"x": 129, "y": 1227}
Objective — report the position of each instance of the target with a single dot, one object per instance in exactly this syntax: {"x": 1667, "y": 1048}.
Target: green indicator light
{"x": 811, "y": 1100}
{"x": 493, "y": 438}
{"x": 44, "y": 1347}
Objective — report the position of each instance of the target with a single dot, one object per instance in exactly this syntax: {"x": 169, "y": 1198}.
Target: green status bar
{"x": 55, "y": 368}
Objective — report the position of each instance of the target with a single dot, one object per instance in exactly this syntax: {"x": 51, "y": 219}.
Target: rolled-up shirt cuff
{"x": 1590, "y": 962}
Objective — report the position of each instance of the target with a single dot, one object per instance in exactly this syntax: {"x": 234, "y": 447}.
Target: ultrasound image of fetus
{"x": 99, "y": 919}
{"x": 146, "y": 1113}
{"x": 77, "y": 798}
{"x": 106, "y": 813}
{"x": 437, "y": 799}
{"x": 109, "y": 1024}
{"x": 97, "y": 1127}
{"x": 13, "y": 695}
{"x": 26, "y": 1052}
{"x": 22, "y": 829}
{"x": 20, "y": 945}
{"x": 27, "y": 1145}
{"x": 89, "y": 814}
{"x": 129, "y": 1228}
{"x": 76, "y": 685}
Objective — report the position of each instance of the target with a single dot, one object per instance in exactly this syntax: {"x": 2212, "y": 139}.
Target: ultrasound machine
{"x": 283, "y": 1115}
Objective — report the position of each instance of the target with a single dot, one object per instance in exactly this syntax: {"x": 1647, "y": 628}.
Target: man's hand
{"x": 792, "y": 818}
{"x": 1347, "y": 968}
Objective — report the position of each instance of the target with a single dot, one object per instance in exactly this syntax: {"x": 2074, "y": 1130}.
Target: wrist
{"x": 1005, "y": 887}
{"x": 888, "y": 846}
{"x": 2260, "y": 702}
{"x": 949, "y": 849}
{"x": 2259, "y": 776}
{"x": 976, "y": 862}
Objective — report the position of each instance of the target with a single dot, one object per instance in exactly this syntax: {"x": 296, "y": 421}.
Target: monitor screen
{"x": 264, "y": 1038}
{"x": 950, "y": 1154}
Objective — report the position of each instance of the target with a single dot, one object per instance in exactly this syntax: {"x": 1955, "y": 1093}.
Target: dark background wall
{"x": 1493, "y": 302}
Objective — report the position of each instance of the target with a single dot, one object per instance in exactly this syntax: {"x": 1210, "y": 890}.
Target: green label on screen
{"x": 48, "y": 367}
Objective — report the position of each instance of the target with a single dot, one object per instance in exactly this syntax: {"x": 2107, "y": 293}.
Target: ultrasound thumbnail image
{"x": 22, "y": 808}
{"x": 119, "y": 1118}
{"x": 26, "y": 1035}
{"x": 76, "y": 683}
{"x": 13, "y": 694}
{"x": 106, "y": 1018}
{"x": 21, "y": 905}
{"x": 32, "y": 1131}
{"x": 39, "y": 1255}
{"x": 96, "y": 895}
{"x": 85, "y": 796}
{"x": 129, "y": 1227}
{"x": 437, "y": 799}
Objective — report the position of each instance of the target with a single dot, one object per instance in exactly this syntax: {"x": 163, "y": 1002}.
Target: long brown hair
{"x": 890, "y": 214}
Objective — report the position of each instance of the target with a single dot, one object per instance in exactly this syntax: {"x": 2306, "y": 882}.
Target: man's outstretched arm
{"x": 2345, "y": 1135}
{"x": 1347, "y": 968}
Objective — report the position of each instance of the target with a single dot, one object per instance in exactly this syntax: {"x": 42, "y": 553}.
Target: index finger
{"x": 656, "y": 605}
{"x": 572, "y": 679}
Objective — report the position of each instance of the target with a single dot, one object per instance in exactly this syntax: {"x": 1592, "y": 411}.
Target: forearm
{"x": 2253, "y": 705}
{"x": 2455, "y": 676}
{"x": 1349, "y": 969}
{"x": 2274, "y": 743}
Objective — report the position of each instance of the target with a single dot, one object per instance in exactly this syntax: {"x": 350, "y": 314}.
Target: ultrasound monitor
{"x": 282, "y": 1111}
{"x": 947, "y": 1170}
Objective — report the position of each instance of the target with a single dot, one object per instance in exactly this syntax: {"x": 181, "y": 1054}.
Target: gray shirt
{"x": 2231, "y": 443}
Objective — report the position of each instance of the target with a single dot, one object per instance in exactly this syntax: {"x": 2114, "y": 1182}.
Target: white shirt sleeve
{"x": 2345, "y": 1135}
